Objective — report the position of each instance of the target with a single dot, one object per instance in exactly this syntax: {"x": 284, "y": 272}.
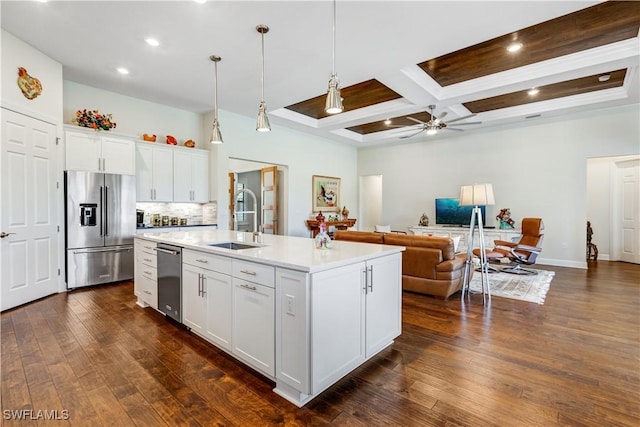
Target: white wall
{"x": 304, "y": 155}
{"x": 537, "y": 171}
{"x": 134, "y": 116}
{"x": 47, "y": 106}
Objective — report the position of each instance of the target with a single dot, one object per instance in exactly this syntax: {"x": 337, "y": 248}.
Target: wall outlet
{"x": 290, "y": 304}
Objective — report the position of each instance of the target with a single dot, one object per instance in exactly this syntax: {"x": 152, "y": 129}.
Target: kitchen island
{"x": 304, "y": 317}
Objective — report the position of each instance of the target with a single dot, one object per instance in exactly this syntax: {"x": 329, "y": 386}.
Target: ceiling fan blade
{"x": 413, "y": 134}
{"x": 456, "y": 129}
{"x": 468, "y": 123}
{"x": 441, "y": 116}
{"x": 416, "y": 120}
{"x": 402, "y": 126}
{"x": 461, "y": 118}
{"x": 406, "y": 128}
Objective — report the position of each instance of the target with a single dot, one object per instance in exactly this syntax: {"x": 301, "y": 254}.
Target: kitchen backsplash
{"x": 195, "y": 213}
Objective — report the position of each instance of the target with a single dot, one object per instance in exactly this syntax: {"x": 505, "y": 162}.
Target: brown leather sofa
{"x": 429, "y": 264}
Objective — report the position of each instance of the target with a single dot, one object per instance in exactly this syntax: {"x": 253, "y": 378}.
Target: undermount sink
{"x": 233, "y": 245}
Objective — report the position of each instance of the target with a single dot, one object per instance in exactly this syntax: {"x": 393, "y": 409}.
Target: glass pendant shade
{"x": 334, "y": 100}
{"x": 262, "y": 124}
{"x": 432, "y": 130}
{"x": 216, "y": 135}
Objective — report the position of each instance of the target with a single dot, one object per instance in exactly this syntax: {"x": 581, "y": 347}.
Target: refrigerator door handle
{"x": 101, "y": 209}
{"x": 106, "y": 211}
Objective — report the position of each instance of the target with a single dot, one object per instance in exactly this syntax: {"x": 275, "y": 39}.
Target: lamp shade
{"x": 476, "y": 195}
{"x": 216, "y": 135}
{"x": 333, "y": 105}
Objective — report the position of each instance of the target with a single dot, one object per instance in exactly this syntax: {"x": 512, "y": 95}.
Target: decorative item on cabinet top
{"x": 94, "y": 119}
{"x": 171, "y": 140}
{"x": 149, "y": 138}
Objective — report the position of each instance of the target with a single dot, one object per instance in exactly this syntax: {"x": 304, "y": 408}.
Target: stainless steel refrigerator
{"x": 100, "y": 224}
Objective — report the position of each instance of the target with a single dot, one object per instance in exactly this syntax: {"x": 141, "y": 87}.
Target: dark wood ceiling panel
{"x": 378, "y": 126}
{"x": 553, "y": 91}
{"x": 595, "y": 26}
{"x": 354, "y": 97}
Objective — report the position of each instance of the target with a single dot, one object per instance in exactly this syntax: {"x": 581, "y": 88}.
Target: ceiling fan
{"x": 436, "y": 123}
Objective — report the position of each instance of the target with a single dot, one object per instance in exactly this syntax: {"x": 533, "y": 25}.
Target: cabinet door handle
{"x": 204, "y": 261}
{"x": 147, "y": 292}
{"x": 199, "y": 284}
{"x": 148, "y": 260}
{"x": 104, "y": 165}
{"x": 204, "y": 291}
{"x": 98, "y": 163}
{"x": 147, "y": 272}
{"x": 364, "y": 272}
{"x": 250, "y": 273}
{"x": 253, "y": 288}
{"x": 371, "y": 279}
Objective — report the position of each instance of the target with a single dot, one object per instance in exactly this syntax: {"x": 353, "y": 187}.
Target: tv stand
{"x": 453, "y": 231}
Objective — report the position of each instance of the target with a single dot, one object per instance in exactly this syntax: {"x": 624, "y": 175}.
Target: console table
{"x": 490, "y": 234}
{"x": 314, "y": 225}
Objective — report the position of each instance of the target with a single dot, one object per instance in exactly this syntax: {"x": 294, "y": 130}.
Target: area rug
{"x": 531, "y": 288}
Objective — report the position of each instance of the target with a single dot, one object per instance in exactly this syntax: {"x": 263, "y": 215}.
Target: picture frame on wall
{"x": 325, "y": 193}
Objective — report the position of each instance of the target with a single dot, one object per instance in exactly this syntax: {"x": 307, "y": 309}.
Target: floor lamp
{"x": 476, "y": 195}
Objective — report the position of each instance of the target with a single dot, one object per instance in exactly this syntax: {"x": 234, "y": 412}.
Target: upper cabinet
{"x": 191, "y": 176}
{"x": 96, "y": 152}
{"x": 171, "y": 174}
{"x": 154, "y": 173}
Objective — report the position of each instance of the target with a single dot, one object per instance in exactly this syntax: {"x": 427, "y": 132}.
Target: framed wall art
{"x": 325, "y": 193}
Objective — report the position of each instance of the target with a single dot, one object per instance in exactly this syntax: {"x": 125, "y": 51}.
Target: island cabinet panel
{"x": 383, "y": 303}
{"x": 206, "y": 296}
{"x": 253, "y": 325}
{"x": 337, "y": 324}
{"x": 292, "y": 329}
{"x": 342, "y": 316}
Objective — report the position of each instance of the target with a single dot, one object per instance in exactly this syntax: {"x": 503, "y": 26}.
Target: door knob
{"x": 3, "y": 234}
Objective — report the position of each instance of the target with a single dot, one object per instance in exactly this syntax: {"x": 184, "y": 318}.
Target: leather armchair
{"x": 526, "y": 250}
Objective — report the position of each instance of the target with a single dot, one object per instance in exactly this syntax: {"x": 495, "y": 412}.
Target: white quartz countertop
{"x": 296, "y": 253}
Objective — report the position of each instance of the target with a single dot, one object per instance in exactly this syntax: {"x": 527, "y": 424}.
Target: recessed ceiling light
{"x": 152, "y": 42}
{"x": 533, "y": 91}
{"x": 514, "y": 47}
{"x": 387, "y": 122}
{"x": 604, "y": 77}
{"x": 122, "y": 70}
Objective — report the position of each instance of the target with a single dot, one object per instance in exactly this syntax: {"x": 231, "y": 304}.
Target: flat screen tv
{"x": 449, "y": 212}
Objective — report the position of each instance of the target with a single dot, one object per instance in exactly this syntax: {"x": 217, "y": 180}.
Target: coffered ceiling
{"x": 393, "y": 58}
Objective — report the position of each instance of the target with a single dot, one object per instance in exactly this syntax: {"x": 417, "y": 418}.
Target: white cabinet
{"x": 145, "y": 285}
{"x": 356, "y": 312}
{"x": 490, "y": 234}
{"x": 191, "y": 175}
{"x": 154, "y": 173}
{"x": 95, "y": 152}
{"x": 207, "y": 296}
{"x": 253, "y": 333}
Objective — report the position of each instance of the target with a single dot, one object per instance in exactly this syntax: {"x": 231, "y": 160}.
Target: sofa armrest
{"x": 452, "y": 264}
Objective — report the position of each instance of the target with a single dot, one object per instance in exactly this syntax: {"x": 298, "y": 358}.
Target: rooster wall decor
{"x": 30, "y": 86}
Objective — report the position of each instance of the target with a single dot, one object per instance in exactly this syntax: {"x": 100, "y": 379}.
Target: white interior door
{"x": 370, "y": 202}
{"x": 629, "y": 213}
{"x": 269, "y": 184}
{"x": 28, "y": 195}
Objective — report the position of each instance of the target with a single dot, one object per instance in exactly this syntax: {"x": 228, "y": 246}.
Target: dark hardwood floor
{"x": 574, "y": 361}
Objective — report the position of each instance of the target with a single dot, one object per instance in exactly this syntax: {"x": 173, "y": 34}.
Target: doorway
{"x": 370, "y": 202}
{"x": 613, "y": 206}
{"x": 266, "y": 183}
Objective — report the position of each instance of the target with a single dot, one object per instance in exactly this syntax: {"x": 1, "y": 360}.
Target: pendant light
{"x": 216, "y": 136}
{"x": 263, "y": 121}
{"x": 334, "y": 100}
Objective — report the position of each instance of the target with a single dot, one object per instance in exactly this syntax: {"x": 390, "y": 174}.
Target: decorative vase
{"x": 345, "y": 213}
{"x": 322, "y": 239}
{"x": 504, "y": 225}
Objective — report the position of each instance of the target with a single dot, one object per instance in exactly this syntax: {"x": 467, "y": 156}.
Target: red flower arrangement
{"x": 94, "y": 119}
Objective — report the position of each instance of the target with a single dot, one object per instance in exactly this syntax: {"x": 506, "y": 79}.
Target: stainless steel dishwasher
{"x": 170, "y": 280}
